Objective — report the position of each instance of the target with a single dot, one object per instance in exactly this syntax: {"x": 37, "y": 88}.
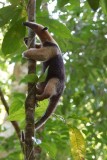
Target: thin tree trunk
{"x": 30, "y": 100}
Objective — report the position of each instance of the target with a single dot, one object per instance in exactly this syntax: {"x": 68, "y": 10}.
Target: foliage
{"x": 80, "y": 30}
{"x": 77, "y": 144}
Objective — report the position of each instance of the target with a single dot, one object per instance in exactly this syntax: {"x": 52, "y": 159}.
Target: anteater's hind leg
{"x": 49, "y": 90}
{"x": 40, "y": 87}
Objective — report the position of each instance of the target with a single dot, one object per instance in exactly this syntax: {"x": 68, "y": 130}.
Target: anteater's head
{"x": 41, "y": 31}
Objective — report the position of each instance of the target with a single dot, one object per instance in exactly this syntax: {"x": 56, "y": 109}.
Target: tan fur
{"x": 40, "y": 87}
{"x": 49, "y": 90}
{"x": 46, "y": 37}
{"x": 41, "y": 54}
{"x": 43, "y": 35}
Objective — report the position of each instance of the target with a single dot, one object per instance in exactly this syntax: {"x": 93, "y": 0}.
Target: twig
{"x": 14, "y": 123}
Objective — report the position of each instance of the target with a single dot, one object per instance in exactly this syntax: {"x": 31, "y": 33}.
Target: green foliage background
{"x": 81, "y": 32}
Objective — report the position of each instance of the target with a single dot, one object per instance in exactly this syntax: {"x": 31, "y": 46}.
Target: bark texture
{"x": 30, "y": 100}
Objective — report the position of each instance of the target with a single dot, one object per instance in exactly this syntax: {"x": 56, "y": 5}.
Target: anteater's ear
{"x": 45, "y": 28}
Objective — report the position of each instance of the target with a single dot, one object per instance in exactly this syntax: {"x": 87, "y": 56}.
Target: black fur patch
{"x": 47, "y": 44}
{"x": 56, "y": 68}
{"x": 45, "y": 28}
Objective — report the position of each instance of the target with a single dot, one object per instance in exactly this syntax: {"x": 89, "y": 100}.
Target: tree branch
{"x": 30, "y": 100}
{"x": 14, "y": 123}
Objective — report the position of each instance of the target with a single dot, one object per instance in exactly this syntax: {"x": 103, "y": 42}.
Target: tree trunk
{"x": 30, "y": 100}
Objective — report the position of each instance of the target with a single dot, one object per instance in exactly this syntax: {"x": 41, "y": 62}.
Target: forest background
{"x": 80, "y": 28}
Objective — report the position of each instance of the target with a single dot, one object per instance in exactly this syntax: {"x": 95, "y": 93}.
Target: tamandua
{"x": 49, "y": 53}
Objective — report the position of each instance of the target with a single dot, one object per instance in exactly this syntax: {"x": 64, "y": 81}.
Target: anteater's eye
{"x": 45, "y": 28}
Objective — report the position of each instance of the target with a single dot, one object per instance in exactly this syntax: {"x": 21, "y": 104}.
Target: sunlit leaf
{"x": 40, "y": 110}
{"x": 17, "y": 116}
{"x": 77, "y": 144}
{"x": 74, "y": 116}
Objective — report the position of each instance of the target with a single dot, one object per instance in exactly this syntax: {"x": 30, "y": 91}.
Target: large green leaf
{"x": 17, "y": 102}
{"x": 94, "y": 4}
{"x": 6, "y": 14}
{"x": 13, "y": 38}
{"x": 16, "y": 110}
{"x": 77, "y": 144}
{"x": 18, "y": 115}
{"x": 40, "y": 110}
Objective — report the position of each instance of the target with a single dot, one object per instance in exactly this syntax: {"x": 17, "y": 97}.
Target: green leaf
{"x": 62, "y": 3}
{"x": 17, "y": 116}
{"x": 17, "y": 102}
{"x": 49, "y": 148}
{"x": 6, "y": 14}
{"x": 77, "y": 144}
{"x": 30, "y": 78}
{"x": 43, "y": 76}
{"x": 104, "y": 6}
{"x": 42, "y": 105}
{"x": 94, "y": 4}
{"x": 13, "y": 38}
{"x": 74, "y": 116}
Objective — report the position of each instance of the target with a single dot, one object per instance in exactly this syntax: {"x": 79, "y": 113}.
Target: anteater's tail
{"x": 50, "y": 109}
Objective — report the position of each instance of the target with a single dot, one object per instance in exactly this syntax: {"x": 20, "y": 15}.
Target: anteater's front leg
{"x": 41, "y": 54}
